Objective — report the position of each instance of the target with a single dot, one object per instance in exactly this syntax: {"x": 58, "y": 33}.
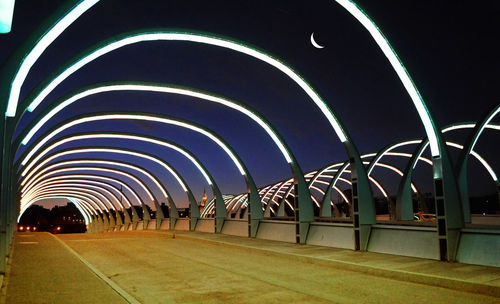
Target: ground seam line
{"x": 125, "y": 295}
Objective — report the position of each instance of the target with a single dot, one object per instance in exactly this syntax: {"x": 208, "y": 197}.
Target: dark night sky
{"x": 450, "y": 49}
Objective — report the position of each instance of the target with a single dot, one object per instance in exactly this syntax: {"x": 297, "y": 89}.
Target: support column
{"x": 146, "y": 217}
{"x": 363, "y": 207}
{"x": 194, "y": 211}
{"x": 174, "y": 215}
{"x": 255, "y": 213}
{"x": 220, "y": 211}
{"x": 448, "y": 208}
{"x": 135, "y": 218}
{"x": 159, "y": 215}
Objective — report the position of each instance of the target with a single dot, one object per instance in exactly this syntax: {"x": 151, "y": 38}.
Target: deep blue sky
{"x": 449, "y": 47}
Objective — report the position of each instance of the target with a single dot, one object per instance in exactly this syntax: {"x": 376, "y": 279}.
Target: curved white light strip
{"x": 85, "y": 201}
{"x": 71, "y": 183}
{"x": 458, "y": 127}
{"x": 85, "y": 182}
{"x": 85, "y": 206}
{"x": 479, "y": 158}
{"x": 472, "y": 125}
{"x": 409, "y": 155}
{"x": 198, "y": 39}
{"x": 161, "y": 89}
{"x": 86, "y": 177}
{"x": 82, "y": 210}
{"x": 103, "y": 162}
{"x": 96, "y": 169}
{"x": 342, "y": 194}
{"x": 77, "y": 193}
{"x": 135, "y": 117}
{"x": 482, "y": 129}
{"x": 329, "y": 168}
{"x": 404, "y": 143}
{"x": 378, "y": 186}
{"x": 109, "y": 150}
{"x": 119, "y": 136}
{"x": 92, "y": 193}
{"x": 39, "y": 48}
{"x": 85, "y": 215}
{"x": 400, "y": 70}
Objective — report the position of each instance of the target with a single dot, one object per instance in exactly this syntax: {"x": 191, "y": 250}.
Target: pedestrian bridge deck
{"x": 190, "y": 267}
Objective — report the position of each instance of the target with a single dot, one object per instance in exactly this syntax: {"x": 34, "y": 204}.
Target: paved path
{"x": 44, "y": 271}
{"x": 154, "y": 267}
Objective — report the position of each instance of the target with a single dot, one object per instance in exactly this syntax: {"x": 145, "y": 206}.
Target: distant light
{"x": 6, "y": 13}
{"x": 28, "y": 228}
{"x": 21, "y": 228}
{"x": 58, "y": 228}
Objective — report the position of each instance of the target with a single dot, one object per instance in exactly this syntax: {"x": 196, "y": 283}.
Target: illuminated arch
{"x": 91, "y": 192}
{"x": 362, "y": 196}
{"x": 89, "y": 178}
{"x": 134, "y": 137}
{"x": 172, "y": 89}
{"x": 139, "y": 154}
{"x": 404, "y": 200}
{"x": 90, "y": 199}
{"x": 462, "y": 161}
{"x": 115, "y": 171}
{"x": 100, "y": 180}
{"x": 28, "y": 183}
{"x": 102, "y": 187}
{"x": 83, "y": 210}
{"x": 155, "y": 118}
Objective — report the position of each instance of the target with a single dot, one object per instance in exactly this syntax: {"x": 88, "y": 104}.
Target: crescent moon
{"x": 314, "y": 43}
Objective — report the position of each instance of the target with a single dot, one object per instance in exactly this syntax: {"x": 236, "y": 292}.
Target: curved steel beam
{"x": 133, "y": 137}
{"x": 83, "y": 209}
{"x": 160, "y": 119}
{"x": 447, "y": 198}
{"x": 461, "y": 167}
{"x": 90, "y": 178}
{"x": 56, "y": 107}
{"x": 143, "y": 155}
{"x": 404, "y": 203}
{"x": 79, "y": 183}
{"x": 29, "y": 183}
{"x": 65, "y": 187}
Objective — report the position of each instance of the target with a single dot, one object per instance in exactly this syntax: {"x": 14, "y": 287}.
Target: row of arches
{"x": 34, "y": 185}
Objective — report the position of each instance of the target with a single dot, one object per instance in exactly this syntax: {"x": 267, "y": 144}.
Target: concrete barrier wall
{"x": 165, "y": 224}
{"x": 235, "y": 227}
{"x": 405, "y": 240}
{"x": 488, "y": 219}
{"x": 277, "y": 231}
{"x": 480, "y": 247}
{"x": 182, "y": 224}
{"x": 205, "y": 225}
{"x": 151, "y": 225}
{"x": 331, "y": 235}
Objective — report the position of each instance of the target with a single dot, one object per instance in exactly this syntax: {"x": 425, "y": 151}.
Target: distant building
{"x": 203, "y": 200}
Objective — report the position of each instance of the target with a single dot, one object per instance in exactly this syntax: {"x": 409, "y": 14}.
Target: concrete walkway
{"x": 43, "y": 271}
{"x": 190, "y": 267}
{"x": 456, "y": 276}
